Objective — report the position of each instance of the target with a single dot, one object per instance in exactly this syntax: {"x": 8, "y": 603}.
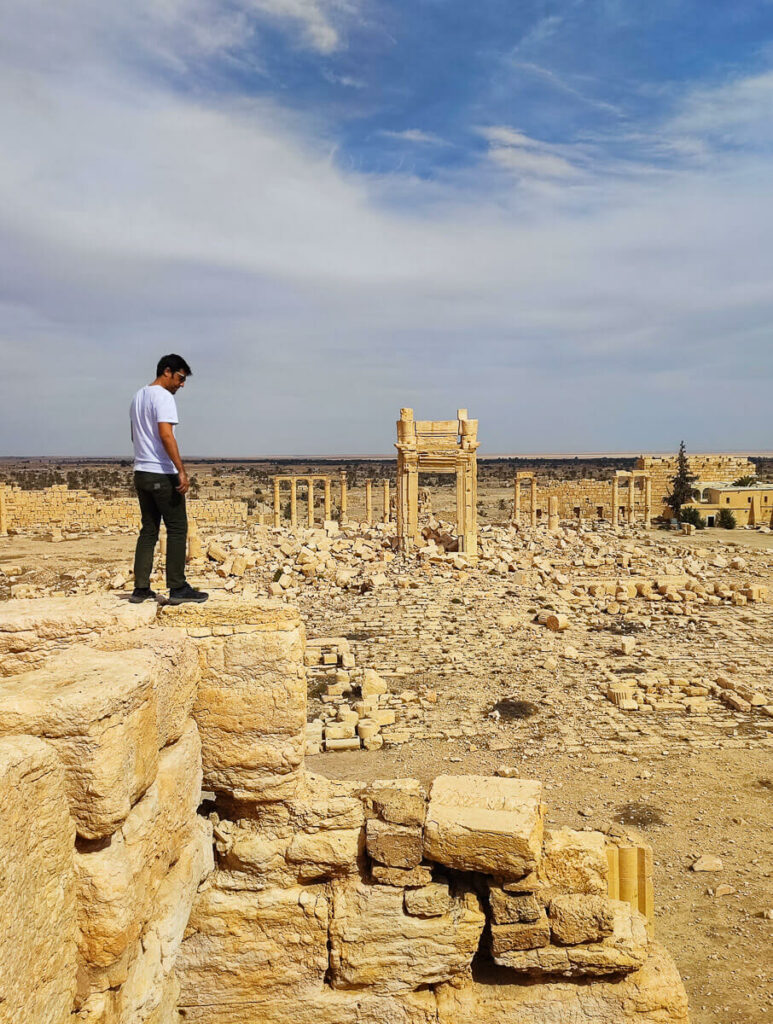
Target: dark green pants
{"x": 159, "y": 499}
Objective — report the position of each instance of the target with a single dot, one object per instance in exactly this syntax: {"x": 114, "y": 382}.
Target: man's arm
{"x": 169, "y": 441}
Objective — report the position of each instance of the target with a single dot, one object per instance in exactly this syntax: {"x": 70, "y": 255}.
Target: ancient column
{"x": 517, "y": 501}
{"x": 343, "y": 517}
{"x": 327, "y": 499}
{"x": 368, "y": 502}
{"x": 277, "y": 504}
{"x": 386, "y": 501}
{"x": 194, "y": 540}
{"x": 631, "y": 497}
{"x": 3, "y": 513}
{"x": 553, "y": 521}
{"x": 293, "y": 503}
{"x": 647, "y": 502}
{"x": 310, "y": 519}
{"x": 614, "y": 500}
{"x": 533, "y": 482}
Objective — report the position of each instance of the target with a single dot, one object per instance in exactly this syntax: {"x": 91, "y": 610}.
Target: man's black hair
{"x": 174, "y": 363}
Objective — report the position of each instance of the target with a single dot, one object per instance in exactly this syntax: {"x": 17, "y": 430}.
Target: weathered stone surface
{"x": 33, "y": 630}
{"x": 324, "y": 1007}
{"x": 98, "y": 710}
{"x": 318, "y": 835}
{"x": 244, "y": 946}
{"x": 574, "y": 862}
{"x": 148, "y": 991}
{"x": 513, "y": 908}
{"x": 402, "y": 801}
{"x": 576, "y": 918}
{"x": 374, "y": 943}
{"x": 654, "y": 994}
{"x": 325, "y": 854}
{"x": 397, "y": 846}
{"x": 175, "y": 669}
{"x": 431, "y": 900}
{"x": 251, "y": 703}
{"x": 479, "y": 823}
{"x": 143, "y": 996}
{"x": 117, "y": 881}
{"x": 402, "y": 877}
{"x": 624, "y": 950}
{"x": 37, "y": 886}
{"x": 508, "y": 937}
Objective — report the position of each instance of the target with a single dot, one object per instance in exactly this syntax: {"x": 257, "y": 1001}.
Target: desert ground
{"x": 479, "y": 685}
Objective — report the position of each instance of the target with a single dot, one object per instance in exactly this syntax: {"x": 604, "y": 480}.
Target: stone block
{"x": 251, "y": 703}
{"x": 99, "y": 712}
{"x": 577, "y": 918}
{"x": 397, "y": 846}
{"x": 149, "y": 992}
{"x": 402, "y": 877}
{"x": 575, "y": 862}
{"x": 622, "y": 951}
{"x": 506, "y": 938}
{"x": 513, "y": 908}
{"x": 243, "y": 946}
{"x": 480, "y": 823}
{"x": 402, "y": 801}
{"x": 323, "y": 1006}
{"x": 117, "y": 880}
{"x": 374, "y": 943}
{"x": 37, "y": 886}
{"x": 325, "y": 854}
{"x": 33, "y": 630}
{"x": 654, "y": 994}
{"x": 431, "y": 900}
{"x": 175, "y": 671}
{"x": 372, "y": 684}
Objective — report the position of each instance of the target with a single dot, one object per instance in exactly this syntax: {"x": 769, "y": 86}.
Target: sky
{"x": 558, "y": 215}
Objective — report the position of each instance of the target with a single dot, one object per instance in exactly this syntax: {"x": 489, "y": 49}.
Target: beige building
{"x": 751, "y": 506}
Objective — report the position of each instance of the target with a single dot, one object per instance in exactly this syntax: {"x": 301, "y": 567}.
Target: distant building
{"x": 751, "y": 506}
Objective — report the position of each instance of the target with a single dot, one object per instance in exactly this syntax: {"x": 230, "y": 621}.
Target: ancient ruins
{"x": 439, "y": 446}
{"x": 295, "y": 897}
{"x": 409, "y": 768}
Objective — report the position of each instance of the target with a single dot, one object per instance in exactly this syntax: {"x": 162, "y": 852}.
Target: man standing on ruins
{"x": 161, "y": 482}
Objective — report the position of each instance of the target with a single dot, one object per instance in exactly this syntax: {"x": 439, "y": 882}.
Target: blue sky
{"x": 556, "y": 214}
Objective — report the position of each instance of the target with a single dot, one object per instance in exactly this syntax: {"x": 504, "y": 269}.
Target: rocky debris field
{"x": 630, "y": 669}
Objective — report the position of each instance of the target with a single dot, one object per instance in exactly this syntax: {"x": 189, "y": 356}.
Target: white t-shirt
{"x": 152, "y": 405}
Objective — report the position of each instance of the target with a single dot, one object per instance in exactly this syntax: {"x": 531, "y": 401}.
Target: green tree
{"x": 681, "y": 483}
{"x": 745, "y": 481}
{"x": 726, "y": 519}
{"x": 692, "y": 515}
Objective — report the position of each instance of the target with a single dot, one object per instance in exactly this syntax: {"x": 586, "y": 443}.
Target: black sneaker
{"x": 182, "y": 595}
{"x": 140, "y": 594}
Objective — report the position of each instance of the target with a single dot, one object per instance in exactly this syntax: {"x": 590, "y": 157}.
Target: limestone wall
{"x": 321, "y": 901}
{"x": 100, "y": 781}
{"x": 73, "y": 510}
{"x": 723, "y": 468}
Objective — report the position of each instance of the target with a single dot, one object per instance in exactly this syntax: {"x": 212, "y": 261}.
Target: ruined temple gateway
{"x": 437, "y": 446}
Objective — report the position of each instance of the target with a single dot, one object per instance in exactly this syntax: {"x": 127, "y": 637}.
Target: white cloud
{"x": 526, "y": 156}
{"x": 739, "y": 113}
{"x": 415, "y": 135}
{"x": 317, "y": 19}
{"x": 136, "y": 219}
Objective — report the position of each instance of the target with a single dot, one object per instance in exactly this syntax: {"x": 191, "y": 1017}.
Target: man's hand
{"x": 184, "y": 483}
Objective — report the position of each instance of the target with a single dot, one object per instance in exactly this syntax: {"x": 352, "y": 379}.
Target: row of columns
{"x": 631, "y": 476}
{"x": 3, "y": 513}
{"x": 327, "y": 482}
